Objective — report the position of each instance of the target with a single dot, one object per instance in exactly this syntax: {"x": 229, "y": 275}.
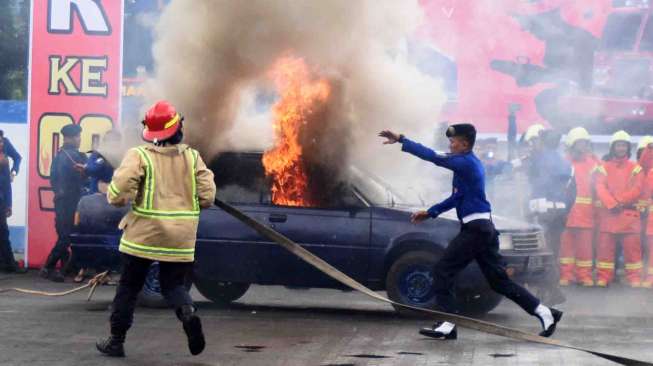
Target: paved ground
{"x": 278, "y": 326}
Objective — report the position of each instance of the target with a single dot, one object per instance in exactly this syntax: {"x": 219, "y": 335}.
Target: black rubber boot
{"x": 44, "y": 273}
{"x": 56, "y": 276}
{"x": 193, "y": 328}
{"x": 112, "y": 346}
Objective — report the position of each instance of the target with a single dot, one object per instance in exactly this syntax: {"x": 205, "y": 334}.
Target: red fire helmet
{"x": 161, "y": 122}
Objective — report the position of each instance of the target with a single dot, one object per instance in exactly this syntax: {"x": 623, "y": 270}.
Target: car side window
{"x": 239, "y": 178}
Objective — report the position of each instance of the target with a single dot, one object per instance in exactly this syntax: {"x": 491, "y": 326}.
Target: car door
{"x": 228, "y": 250}
{"x": 339, "y": 235}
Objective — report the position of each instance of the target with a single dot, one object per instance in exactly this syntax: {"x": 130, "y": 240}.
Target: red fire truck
{"x": 622, "y": 81}
{"x": 520, "y": 55}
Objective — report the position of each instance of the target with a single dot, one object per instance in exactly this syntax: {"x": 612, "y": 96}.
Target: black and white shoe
{"x": 440, "y": 330}
{"x": 549, "y": 318}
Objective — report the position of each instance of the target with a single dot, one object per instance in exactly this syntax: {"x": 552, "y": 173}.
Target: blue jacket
{"x": 549, "y": 175}
{"x": 11, "y": 152}
{"x": 468, "y": 193}
{"x": 97, "y": 169}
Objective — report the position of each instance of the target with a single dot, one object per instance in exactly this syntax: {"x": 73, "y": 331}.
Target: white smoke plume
{"x": 212, "y": 54}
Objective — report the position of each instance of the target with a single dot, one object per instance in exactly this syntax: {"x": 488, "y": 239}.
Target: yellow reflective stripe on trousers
{"x": 632, "y": 266}
{"x": 605, "y": 265}
{"x": 166, "y": 214}
{"x": 149, "y": 179}
{"x": 584, "y": 200}
{"x": 113, "y": 190}
{"x": 148, "y": 249}
{"x": 567, "y": 260}
{"x": 583, "y": 263}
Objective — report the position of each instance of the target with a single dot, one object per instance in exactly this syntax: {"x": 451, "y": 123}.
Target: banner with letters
{"x": 75, "y": 77}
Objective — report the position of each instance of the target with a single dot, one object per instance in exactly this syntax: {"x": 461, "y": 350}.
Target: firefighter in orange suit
{"x": 646, "y": 161}
{"x": 619, "y": 184}
{"x": 576, "y": 246}
{"x": 167, "y": 183}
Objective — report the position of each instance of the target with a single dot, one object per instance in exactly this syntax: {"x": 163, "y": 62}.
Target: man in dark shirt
{"x": 478, "y": 239}
{"x": 67, "y": 181}
{"x": 7, "y": 260}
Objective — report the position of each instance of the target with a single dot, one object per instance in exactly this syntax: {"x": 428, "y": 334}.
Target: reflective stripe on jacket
{"x": 167, "y": 186}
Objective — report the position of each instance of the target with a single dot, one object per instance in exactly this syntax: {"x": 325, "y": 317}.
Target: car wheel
{"x": 150, "y": 296}
{"x": 410, "y": 281}
{"x": 220, "y": 292}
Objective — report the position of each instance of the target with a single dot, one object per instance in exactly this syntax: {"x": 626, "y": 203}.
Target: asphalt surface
{"x": 279, "y": 326}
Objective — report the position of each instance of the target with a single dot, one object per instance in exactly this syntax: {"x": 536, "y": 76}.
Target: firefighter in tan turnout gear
{"x": 167, "y": 184}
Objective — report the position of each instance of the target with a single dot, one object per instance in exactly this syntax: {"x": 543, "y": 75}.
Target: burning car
{"x": 362, "y": 228}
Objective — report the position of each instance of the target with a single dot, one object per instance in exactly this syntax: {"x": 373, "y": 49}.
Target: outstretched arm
{"x": 421, "y": 151}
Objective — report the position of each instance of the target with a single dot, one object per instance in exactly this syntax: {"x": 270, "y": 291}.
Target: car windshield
{"x": 620, "y": 32}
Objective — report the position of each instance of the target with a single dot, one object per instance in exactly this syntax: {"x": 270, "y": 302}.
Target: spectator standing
{"x": 619, "y": 184}
{"x": 7, "y": 260}
{"x": 576, "y": 243}
{"x": 67, "y": 180}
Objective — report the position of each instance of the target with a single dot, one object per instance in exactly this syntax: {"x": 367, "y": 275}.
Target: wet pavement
{"x": 280, "y": 326}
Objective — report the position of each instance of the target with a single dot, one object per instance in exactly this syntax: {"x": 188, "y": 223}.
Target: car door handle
{"x": 278, "y": 218}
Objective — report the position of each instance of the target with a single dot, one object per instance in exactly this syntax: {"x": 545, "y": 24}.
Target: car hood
{"x": 502, "y": 223}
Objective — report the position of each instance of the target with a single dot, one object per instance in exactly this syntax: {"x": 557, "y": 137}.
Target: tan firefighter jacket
{"x": 167, "y": 186}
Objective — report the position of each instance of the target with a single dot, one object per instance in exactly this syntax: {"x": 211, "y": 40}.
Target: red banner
{"x": 75, "y": 77}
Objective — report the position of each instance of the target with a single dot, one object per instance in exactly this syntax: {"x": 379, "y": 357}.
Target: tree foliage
{"x": 14, "y": 44}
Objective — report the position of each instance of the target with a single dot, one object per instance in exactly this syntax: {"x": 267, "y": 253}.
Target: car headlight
{"x": 542, "y": 240}
{"x": 505, "y": 242}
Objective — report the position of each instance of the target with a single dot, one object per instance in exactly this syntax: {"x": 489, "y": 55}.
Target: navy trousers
{"x": 172, "y": 277}
{"x": 478, "y": 240}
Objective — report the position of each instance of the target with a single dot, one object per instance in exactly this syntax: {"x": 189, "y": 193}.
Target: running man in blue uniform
{"x": 478, "y": 239}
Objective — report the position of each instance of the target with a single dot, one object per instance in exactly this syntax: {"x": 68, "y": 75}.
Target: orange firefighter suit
{"x": 576, "y": 245}
{"x": 619, "y": 184}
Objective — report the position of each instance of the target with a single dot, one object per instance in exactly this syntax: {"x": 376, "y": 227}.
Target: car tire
{"x": 220, "y": 292}
{"x": 150, "y": 296}
{"x": 410, "y": 281}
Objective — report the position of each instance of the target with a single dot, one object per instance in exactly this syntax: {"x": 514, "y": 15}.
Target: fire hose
{"x": 470, "y": 323}
{"x": 92, "y": 283}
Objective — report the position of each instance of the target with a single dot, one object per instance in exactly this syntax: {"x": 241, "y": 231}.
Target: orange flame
{"x": 300, "y": 96}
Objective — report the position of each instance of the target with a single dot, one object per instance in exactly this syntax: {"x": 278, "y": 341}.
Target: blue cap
{"x": 71, "y": 130}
